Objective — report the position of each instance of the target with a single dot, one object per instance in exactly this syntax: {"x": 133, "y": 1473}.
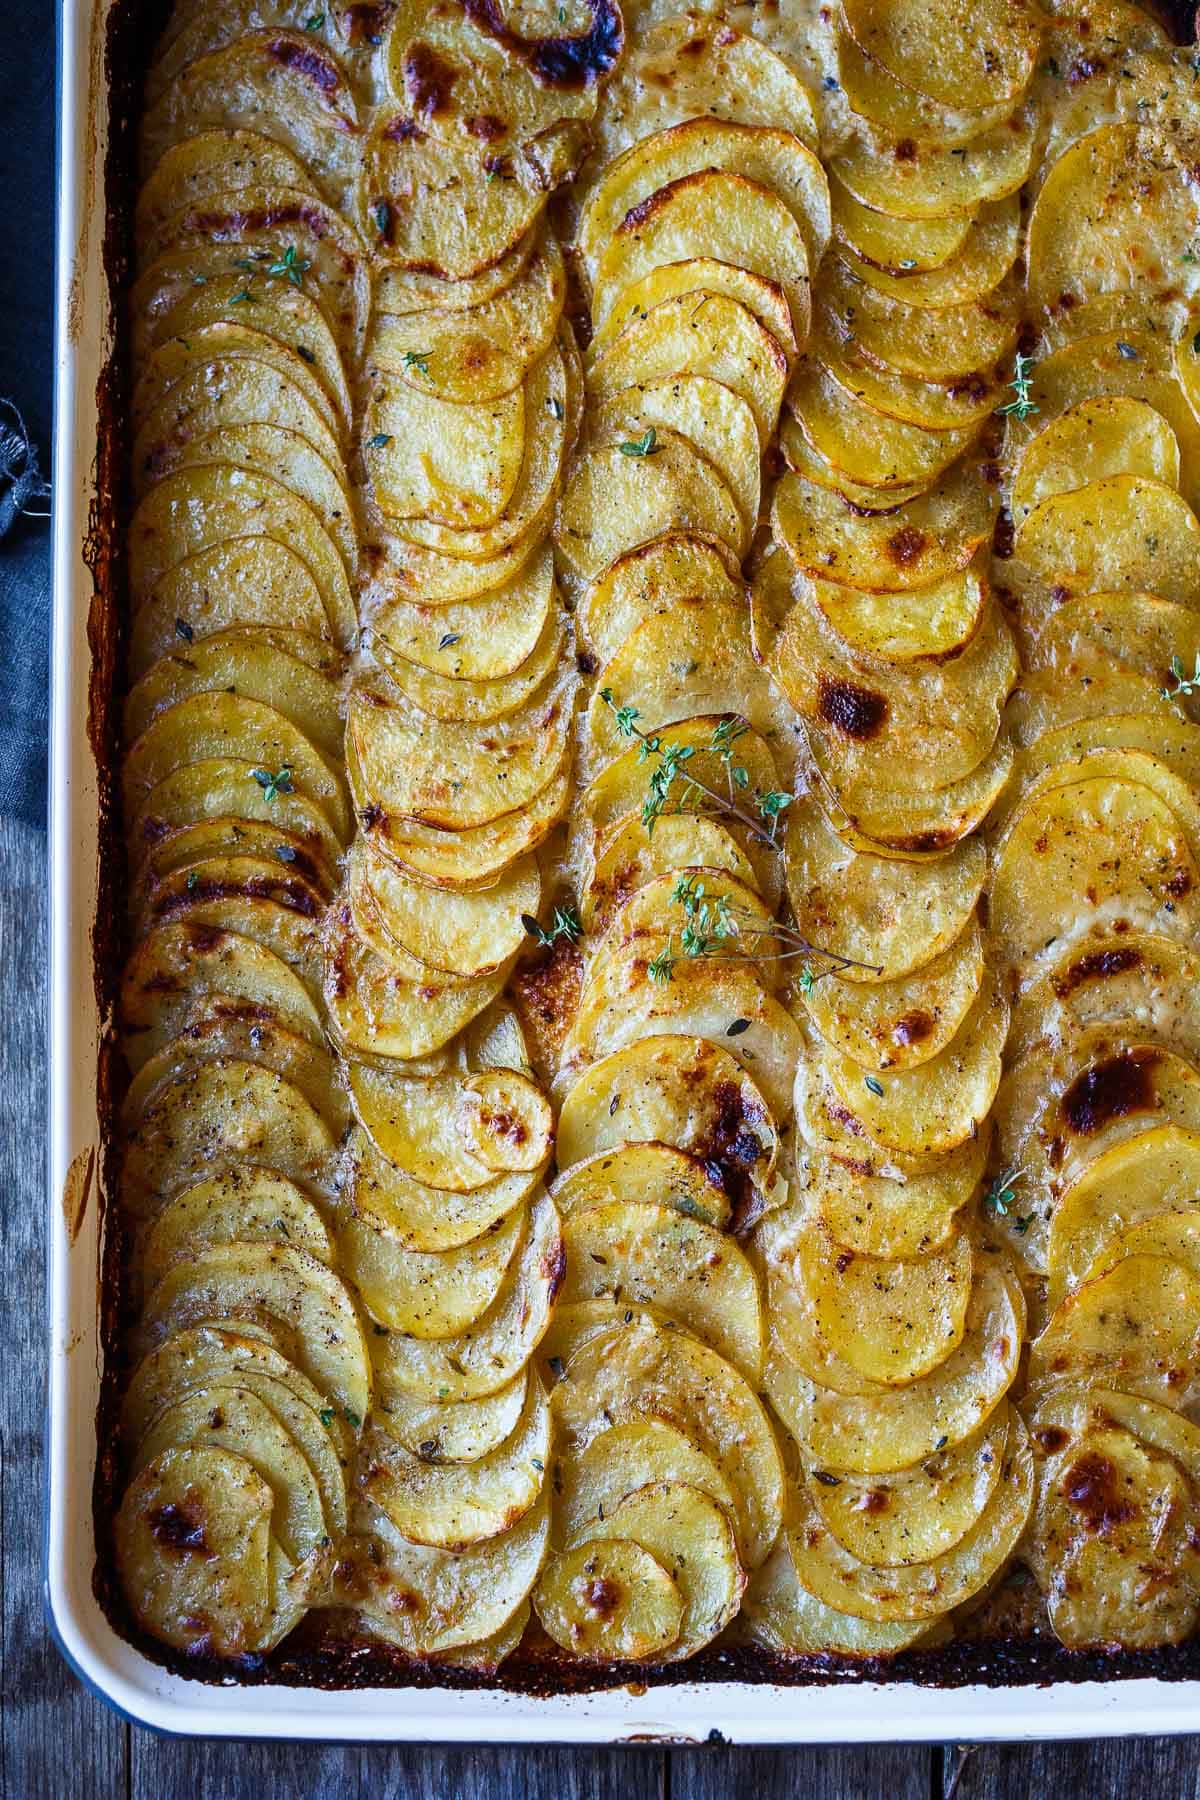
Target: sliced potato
{"x": 630, "y": 855}
{"x": 490, "y": 1352}
{"x": 242, "y": 581}
{"x": 1111, "y": 435}
{"x": 644, "y": 579}
{"x": 895, "y": 245}
{"x": 421, "y": 1217}
{"x": 210, "y": 162}
{"x": 891, "y": 1320}
{"x": 1135, "y": 1326}
{"x": 987, "y": 254}
{"x": 453, "y": 1505}
{"x": 375, "y": 1009}
{"x": 296, "y": 677}
{"x": 1150, "y": 1174}
{"x": 717, "y": 421}
{"x": 427, "y": 1294}
{"x": 460, "y": 934}
{"x": 591, "y": 1484}
{"x": 429, "y": 458}
{"x": 609, "y": 1600}
{"x": 618, "y": 498}
{"x": 483, "y": 638}
{"x": 869, "y": 446}
{"x": 691, "y": 1539}
{"x": 927, "y": 624}
{"x": 1149, "y": 540}
{"x": 881, "y": 1433}
{"x": 936, "y": 180}
{"x": 687, "y": 65}
{"x": 900, "y": 1024}
{"x": 788, "y": 1620}
{"x": 923, "y": 1590}
{"x": 776, "y": 159}
{"x": 454, "y": 1431}
{"x": 889, "y": 1216}
{"x": 765, "y": 298}
{"x": 897, "y": 108}
{"x": 643, "y": 1171}
{"x": 1148, "y": 981}
{"x": 959, "y": 59}
{"x": 247, "y": 1205}
{"x": 918, "y": 542}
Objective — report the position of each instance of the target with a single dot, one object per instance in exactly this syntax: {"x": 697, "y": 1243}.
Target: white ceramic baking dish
{"x": 746, "y": 1714}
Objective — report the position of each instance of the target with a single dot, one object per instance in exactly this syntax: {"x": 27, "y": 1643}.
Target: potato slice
{"x": 299, "y": 682}
{"x": 893, "y": 1321}
{"x": 901, "y": 111}
{"x": 1133, "y": 633}
{"x": 955, "y": 58}
{"x": 686, "y": 66}
{"x": 1150, "y": 541}
{"x": 617, "y": 499}
{"x": 775, "y": 159}
{"x": 941, "y": 1103}
{"x": 287, "y": 1288}
{"x": 868, "y": 445}
{"x": 718, "y": 422}
{"x": 643, "y": 1171}
{"x": 765, "y": 298}
{"x": 246, "y": 581}
{"x": 644, "y": 579}
{"x": 507, "y": 1120}
{"x": 1159, "y": 737}
{"x": 923, "y": 1590}
{"x": 422, "y": 1217}
{"x": 1111, "y": 435}
{"x": 926, "y": 399}
{"x": 1145, "y": 1176}
{"x": 938, "y": 719}
{"x": 680, "y": 1266}
{"x": 248, "y": 896}
{"x": 895, "y": 245}
{"x": 634, "y": 1369}
{"x": 987, "y": 254}
{"x": 902, "y": 1024}
{"x": 454, "y": 1505}
{"x": 460, "y": 1597}
{"x": 462, "y": 1431}
{"x": 403, "y": 291}
{"x": 936, "y": 180}
{"x": 211, "y": 395}
{"x": 630, "y": 855}
{"x": 201, "y": 1358}
{"x": 195, "y": 509}
{"x": 789, "y": 1621}
{"x": 881, "y": 1215}
{"x": 428, "y": 1295}
{"x": 446, "y": 774}
{"x": 435, "y": 459}
{"x": 456, "y": 700}
{"x": 1115, "y": 207}
{"x": 180, "y": 971}
{"x": 918, "y": 542}
{"x": 724, "y": 1002}
{"x": 927, "y": 624}
{"x": 1110, "y": 848}
{"x": 916, "y": 1515}
{"x": 430, "y": 204}
{"x": 376, "y": 1010}
{"x": 462, "y": 860}
{"x": 693, "y": 1541}
{"x": 681, "y": 1091}
{"x": 623, "y": 1458}
{"x": 722, "y": 909}
{"x": 474, "y": 356}
{"x": 208, "y": 840}
{"x": 1149, "y": 982}
{"x": 489, "y": 1353}
{"x": 700, "y": 334}
{"x": 282, "y": 80}
{"x": 888, "y": 917}
{"x": 609, "y": 1600}
{"x": 250, "y": 1205}
{"x": 693, "y": 658}
{"x": 483, "y": 638}
{"x": 217, "y": 1115}
{"x": 552, "y": 394}
{"x": 210, "y": 162}
{"x": 460, "y": 934}
{"x": 398, "y": 570}
{"x": 193, "y": 1548}
{"x": 237, "y": 1421}
{"x": 1134, "y": 1325}
{"x": 881, "y": 1433}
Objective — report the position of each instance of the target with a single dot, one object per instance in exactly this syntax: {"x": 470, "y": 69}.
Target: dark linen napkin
{"x": 27, "y": 106}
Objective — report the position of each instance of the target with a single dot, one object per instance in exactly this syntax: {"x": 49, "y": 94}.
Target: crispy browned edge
{"x": 323, "y": 1652}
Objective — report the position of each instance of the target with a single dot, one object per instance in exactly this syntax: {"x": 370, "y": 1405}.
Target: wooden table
{"x": 57, "y": 1742}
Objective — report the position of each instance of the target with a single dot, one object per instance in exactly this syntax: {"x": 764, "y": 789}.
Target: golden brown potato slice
{"x": 480, "y": 639}
{"x": 1145, "y": 1176}
{"x": 898, "y": 246}
{"x": 268, "y": 1044}
{"x": 474, "y": 356}
{"x": 1134, "y": 1325}
{"x": 765, "y": 298}
{"x": 957, "y": 58}
{"x": 455, "y": 698}
{"x": 650, "y": 576}
{"x": 1137, "y": 978}
{"x": 644, "y": 1171}
{"x": 297, "y": 677}
{"x": 879, "y": 1433}
{"x": 428, "y": 1294}
{"x": 402, "y": 291}
{"x": 987, "y": 254}
{"x": 946, "y": 346}
{"x": 209, "y": 162}
{"x": 491, "y": 1351}
{"x": 788, "y": 1620}
{"x": 609, "y": 1600}
{"x": 728, "y": 918}
{"x": 713, "y": 418}
{"x": 775, "y": 159}
{"x": 935, "y": 179}
{"x": 463, "y": 934}
{"x": 376, "y": 1009}
{"x": 454, "y": 1505}
{"x": 891, "y": 1321}
{"x": 687, "y": 66}
{"x": 423, "y": 1217}
{"x": 251, "y": 1205}
{"x": 868, "y": 446}
{"x": 430, "y": 458}
{"x": 242, "y": 581}
{"x": 917, "y": 542}
{"x": 922, "y": 1590}
{"x": 591, "y": 1484}
{"x": 618, "y": 497}
{"x": 1111, "y": 435}
{"x": 630, "y": 855}
{"x": 461, "y": 1431}
{"x": 899, "y": 1025}
{"x": 1150, "y": 540}
{"x": 278, "y": 82}
{"x": 901, "y": 111}
{"x": 886, "y": 1215}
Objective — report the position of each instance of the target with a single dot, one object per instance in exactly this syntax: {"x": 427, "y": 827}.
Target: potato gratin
{"x": 662, "y": 797}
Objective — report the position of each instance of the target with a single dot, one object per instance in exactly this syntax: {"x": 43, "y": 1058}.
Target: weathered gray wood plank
{"x": 894, "y": 1772}
{"x": 55, "y": 1739}
{"x": 1129, "y": 1767}
{"x": 165, "y": 1769}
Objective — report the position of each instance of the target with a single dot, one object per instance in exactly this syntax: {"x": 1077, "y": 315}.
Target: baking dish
{"x": 977, "y": 1702}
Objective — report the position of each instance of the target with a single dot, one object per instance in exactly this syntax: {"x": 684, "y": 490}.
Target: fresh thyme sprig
{"x": 670, "y": 762}
{"x": 1184, "y": 684}
{"x": 292, "y": 266}
{"x": 1022, "y": 406}
{"x": 1003, "y": 1191}
{"x": 272, "y": 785}
{"x": 713, "y": 924}
{"x": 565, "y": 925}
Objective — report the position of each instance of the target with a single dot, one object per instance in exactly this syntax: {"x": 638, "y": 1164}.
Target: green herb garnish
{"x": 1022, "y": 406}
{"x": 274, "y": 785}
{"x": 646, "y": 445}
